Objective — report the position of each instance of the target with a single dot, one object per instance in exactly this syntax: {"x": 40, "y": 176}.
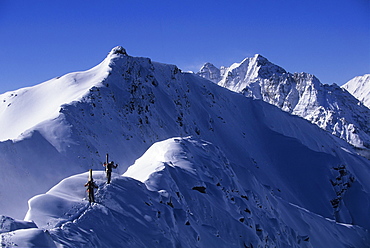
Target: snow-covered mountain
{"x": 328, "y": 106}
{"x": 183, "y": 192}
{"x": 359, "y": 87}
{"x": 247, "y": 173}
{"x": 211, "y": 72}
{"x": 188, "y": 195}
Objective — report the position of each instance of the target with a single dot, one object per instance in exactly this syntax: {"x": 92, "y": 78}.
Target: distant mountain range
{"x": 328, "y": 106}
{"x": 199, "y": 165}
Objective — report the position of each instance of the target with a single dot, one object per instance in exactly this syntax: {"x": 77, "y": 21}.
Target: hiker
{"x": 108, "y": 169}
{"x": 90, "y": 187}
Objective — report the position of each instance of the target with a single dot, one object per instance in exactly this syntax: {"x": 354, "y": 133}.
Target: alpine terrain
{"x": 359, "y": 87}
{"x": 328, "y": 106}
{"x": 198, "y": 165}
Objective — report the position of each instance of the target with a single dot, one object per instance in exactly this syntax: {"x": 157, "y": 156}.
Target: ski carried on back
{"x": 90, "y": 187}
{"x": 108, "y": 168}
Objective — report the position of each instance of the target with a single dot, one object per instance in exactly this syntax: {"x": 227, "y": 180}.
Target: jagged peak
{"x": 259, "y": 66}
{"x": 304, "y": 77}
{"x": 265, "y": 63}
{"x": 210, "y": 72}
{"x": 208, "y": 66}
{"x": 255, "y": 59}
{"x": 258, "y": 56}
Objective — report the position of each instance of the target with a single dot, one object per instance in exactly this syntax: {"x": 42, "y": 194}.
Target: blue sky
{"x": 41, "y": 39}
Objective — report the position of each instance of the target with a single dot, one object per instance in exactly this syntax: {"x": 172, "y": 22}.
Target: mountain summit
{"x": 328, "y": 106}
{"x": 199, "y": 165}
{"x": 210, "y": 72}
{"x": 27, "y": 109}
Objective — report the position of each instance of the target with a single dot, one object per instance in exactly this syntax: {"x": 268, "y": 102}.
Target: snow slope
{"x": 359, "y": 87}
{"x": 137, "y": 103}
{"x": 22, "y": 234}
{"x": 302, "y": 94}
{"x": 42, "y": 102}
{"x": 36, "y": 137}
{"x": 188, "y": 195}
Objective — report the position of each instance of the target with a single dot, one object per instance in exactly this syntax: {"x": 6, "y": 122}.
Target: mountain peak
{"x": 304, "y": 95}
{"x": 248, "y": 175}
{"x": 118, "y": 50}
{"x": 210, "y": 72}
{"x": 208, "y": 65}
{"x": 239, "y": 75}
{"x": 266, "y": 67}
{"x": 258, "y": 56}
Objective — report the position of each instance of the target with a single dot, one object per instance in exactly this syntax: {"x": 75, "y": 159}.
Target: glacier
{"x": 199, "y": 166}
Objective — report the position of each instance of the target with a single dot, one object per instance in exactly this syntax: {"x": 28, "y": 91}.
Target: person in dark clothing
{"x": 90, "y": 187}
{"x": 108, "y": 169}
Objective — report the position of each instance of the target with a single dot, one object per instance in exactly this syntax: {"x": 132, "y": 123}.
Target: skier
{"x": 108, "y": 169}
{"x": 90, "y": 187}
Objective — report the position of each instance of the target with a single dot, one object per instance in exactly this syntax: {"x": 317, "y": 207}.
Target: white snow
{"x": 24, "y": 109}
{"x": 155, "y": 158}
{"x": 210, "y": 72}
{"x": 16, "y": 233}
{"x": 359, "y": 87}
{"x": 302, "y": 94}
{"x": 247, "y": 173}
{"x": 8, "y": 224}
{"x": 63, "y": 202}
{"x": 27, "y": 238}
{"x": 214, "y": 207}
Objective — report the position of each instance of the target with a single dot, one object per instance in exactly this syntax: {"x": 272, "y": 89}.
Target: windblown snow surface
{"x": 199, "y": 166}
{"x": 328, "y": 106}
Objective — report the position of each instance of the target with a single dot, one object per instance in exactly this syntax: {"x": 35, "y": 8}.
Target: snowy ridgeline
{"x": 186, "y": 195}
{"x": 328, "y": 106}
{"x": 250, "y": 174}
{"x": 360, "y": 88}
